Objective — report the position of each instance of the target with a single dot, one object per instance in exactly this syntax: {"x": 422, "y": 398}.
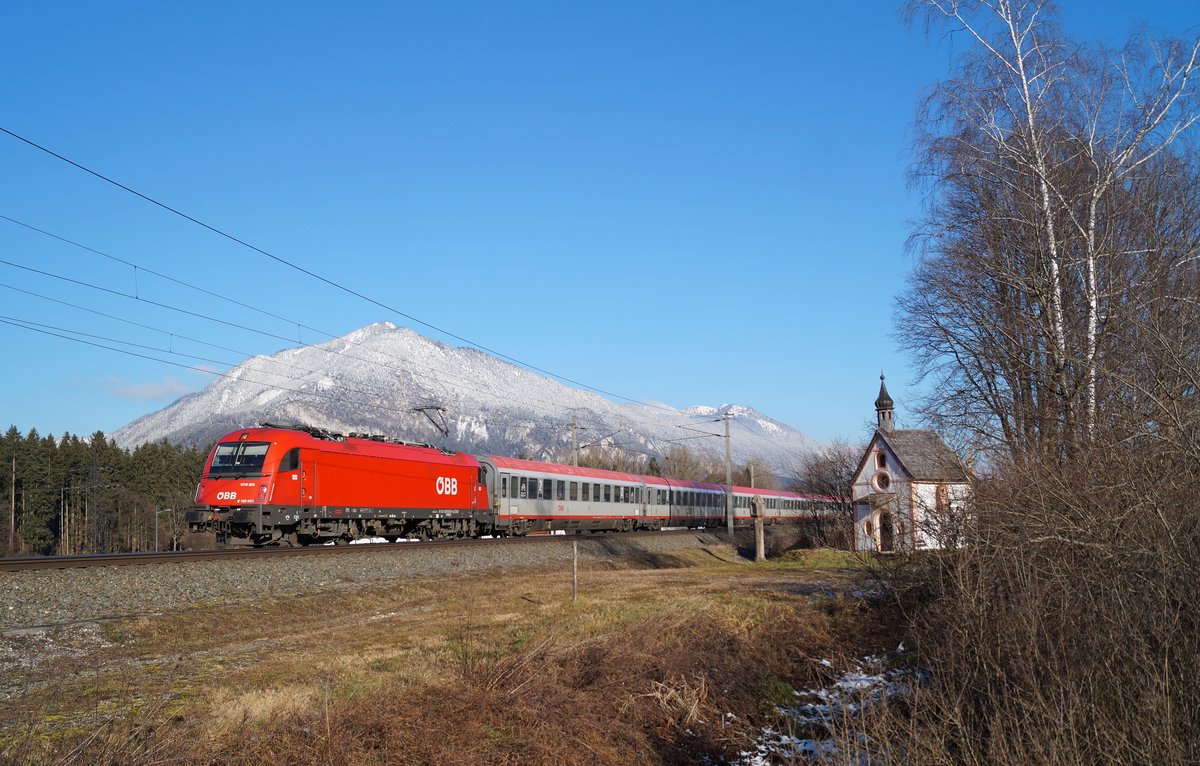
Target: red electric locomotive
{"x": 297, "y": 485}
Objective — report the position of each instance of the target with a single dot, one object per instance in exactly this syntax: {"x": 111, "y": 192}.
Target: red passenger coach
{"x": 300, "y": 486}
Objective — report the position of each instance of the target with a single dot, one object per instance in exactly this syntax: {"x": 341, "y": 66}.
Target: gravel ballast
{"x": 62, "y": 596}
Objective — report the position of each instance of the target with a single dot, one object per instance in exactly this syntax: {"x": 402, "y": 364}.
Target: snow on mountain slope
{"x": 371, "y": 379}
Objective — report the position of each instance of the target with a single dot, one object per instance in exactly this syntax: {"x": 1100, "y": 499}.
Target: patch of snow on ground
{"x": 868, "y": 683}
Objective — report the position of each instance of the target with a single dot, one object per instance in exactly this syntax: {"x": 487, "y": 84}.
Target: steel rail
{"x": 87, "y": 560}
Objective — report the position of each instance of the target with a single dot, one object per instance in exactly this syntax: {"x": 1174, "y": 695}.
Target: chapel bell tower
{"x": 883, "y": 408}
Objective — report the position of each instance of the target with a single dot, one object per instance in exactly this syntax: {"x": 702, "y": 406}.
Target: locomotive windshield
{"x": 238, "y": 458}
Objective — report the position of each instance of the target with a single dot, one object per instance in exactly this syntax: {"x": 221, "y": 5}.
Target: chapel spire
{"x": 883, "y": 407}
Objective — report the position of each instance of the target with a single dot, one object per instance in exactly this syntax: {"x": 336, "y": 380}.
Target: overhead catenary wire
{"x": 194, "y": 368}
{"x": 323, "y": 279}
{"x": 140, "y": 267}
{"x": 532, "y": 403}
{"x": 767, "y": 439}
{"x": 516, "y": 398}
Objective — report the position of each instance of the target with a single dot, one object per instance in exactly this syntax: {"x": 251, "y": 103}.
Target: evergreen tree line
{"x": 87, "y": 495}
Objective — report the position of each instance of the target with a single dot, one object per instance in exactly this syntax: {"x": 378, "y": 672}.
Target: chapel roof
{"x": 924, "y": 455}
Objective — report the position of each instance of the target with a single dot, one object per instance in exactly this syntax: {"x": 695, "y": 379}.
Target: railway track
{"x": 83, "y": 561}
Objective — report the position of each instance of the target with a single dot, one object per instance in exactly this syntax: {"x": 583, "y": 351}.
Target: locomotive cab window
{"x": 291, "y": 460}
{"x": 239, "y": 458}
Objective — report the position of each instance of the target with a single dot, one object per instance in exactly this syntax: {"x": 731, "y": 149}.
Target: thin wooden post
{"x": 758, "y": 510}
{"x": 574, "y": 570}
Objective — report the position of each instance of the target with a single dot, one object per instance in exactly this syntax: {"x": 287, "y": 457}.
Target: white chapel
{"x": 907, "y": 488}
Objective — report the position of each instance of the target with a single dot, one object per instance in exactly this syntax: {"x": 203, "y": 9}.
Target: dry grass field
{"x": 662, "y": 660}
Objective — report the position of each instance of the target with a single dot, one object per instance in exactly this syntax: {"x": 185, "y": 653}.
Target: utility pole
{"x": 728, "y": 479}
{"x": 574, "y": 442}
{"x": 12, "y": 505}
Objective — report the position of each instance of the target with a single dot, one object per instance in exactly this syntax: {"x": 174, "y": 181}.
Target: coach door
{"x": 488, "y": 476}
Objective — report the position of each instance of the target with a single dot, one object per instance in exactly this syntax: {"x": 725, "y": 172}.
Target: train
{"x": 298, "y": 485}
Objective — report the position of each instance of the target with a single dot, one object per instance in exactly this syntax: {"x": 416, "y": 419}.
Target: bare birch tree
{"x": 1031, "y": 155}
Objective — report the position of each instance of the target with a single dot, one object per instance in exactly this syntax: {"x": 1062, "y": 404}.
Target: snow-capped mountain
{"x": 370, "y": 381}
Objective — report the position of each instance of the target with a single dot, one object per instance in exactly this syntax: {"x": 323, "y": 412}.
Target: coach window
{"x": 524, "y": 491}
{"x": 587, "y": 492}
{"x": 561, "y": 493}
{"x": 608, "y": 493}
{"x": 595, "y": 493}
{"x": 291, "y": 461}
{"x": 547, "y": 489}
{"x": 503, "y": 486}
{"x": 574, "y": 491}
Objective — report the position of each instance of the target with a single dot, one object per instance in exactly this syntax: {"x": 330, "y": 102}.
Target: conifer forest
{"x": 77, "y": 494}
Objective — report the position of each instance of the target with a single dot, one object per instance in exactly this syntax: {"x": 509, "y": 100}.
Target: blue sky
{"x": 693, "y": 203}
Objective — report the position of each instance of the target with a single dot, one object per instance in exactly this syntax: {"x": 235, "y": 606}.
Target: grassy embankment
{"x": 645, "y": 667}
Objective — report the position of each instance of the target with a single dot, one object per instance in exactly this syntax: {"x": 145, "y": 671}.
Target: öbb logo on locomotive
{"x": 312, "y": 486}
